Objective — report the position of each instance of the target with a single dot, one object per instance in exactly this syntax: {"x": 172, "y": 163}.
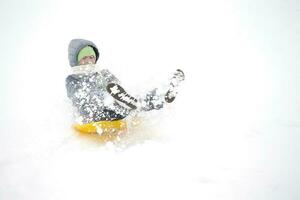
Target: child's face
{"x": 87, "y": 60}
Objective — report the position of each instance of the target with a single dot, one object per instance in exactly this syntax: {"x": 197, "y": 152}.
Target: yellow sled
{"x": 102, "y": 130}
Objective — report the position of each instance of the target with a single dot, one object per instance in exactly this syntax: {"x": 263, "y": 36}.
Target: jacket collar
{"x": 83, "y": 69}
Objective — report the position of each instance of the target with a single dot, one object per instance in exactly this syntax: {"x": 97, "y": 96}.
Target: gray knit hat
{"x": 75, "y": 46}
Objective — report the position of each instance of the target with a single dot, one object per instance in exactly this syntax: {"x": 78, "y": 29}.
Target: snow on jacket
{"x": 86, "y": 88}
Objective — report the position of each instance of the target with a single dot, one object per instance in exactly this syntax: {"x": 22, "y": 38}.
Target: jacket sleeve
{"x": 72, "y": 85}
{"x": 109, "y": 77}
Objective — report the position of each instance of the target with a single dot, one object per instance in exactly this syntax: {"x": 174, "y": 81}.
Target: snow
{"x": 232, "y": 133}
{"x": 115, "y": 90}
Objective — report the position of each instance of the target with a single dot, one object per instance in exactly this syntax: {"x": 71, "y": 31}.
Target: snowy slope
{"x": 231, "y": 134}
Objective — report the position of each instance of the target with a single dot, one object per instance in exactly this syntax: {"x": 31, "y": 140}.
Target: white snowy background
{"x": 232, "y": 133}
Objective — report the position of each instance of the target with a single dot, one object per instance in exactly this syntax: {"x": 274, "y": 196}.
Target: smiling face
{"x": 86, "y": 56}
{"x": 87, "y": 60}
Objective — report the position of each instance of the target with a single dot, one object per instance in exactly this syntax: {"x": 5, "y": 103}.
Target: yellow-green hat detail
{"x": 86, "y": 51}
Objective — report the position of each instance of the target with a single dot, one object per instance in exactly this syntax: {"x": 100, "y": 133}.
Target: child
{"x": 97, "y": 95}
